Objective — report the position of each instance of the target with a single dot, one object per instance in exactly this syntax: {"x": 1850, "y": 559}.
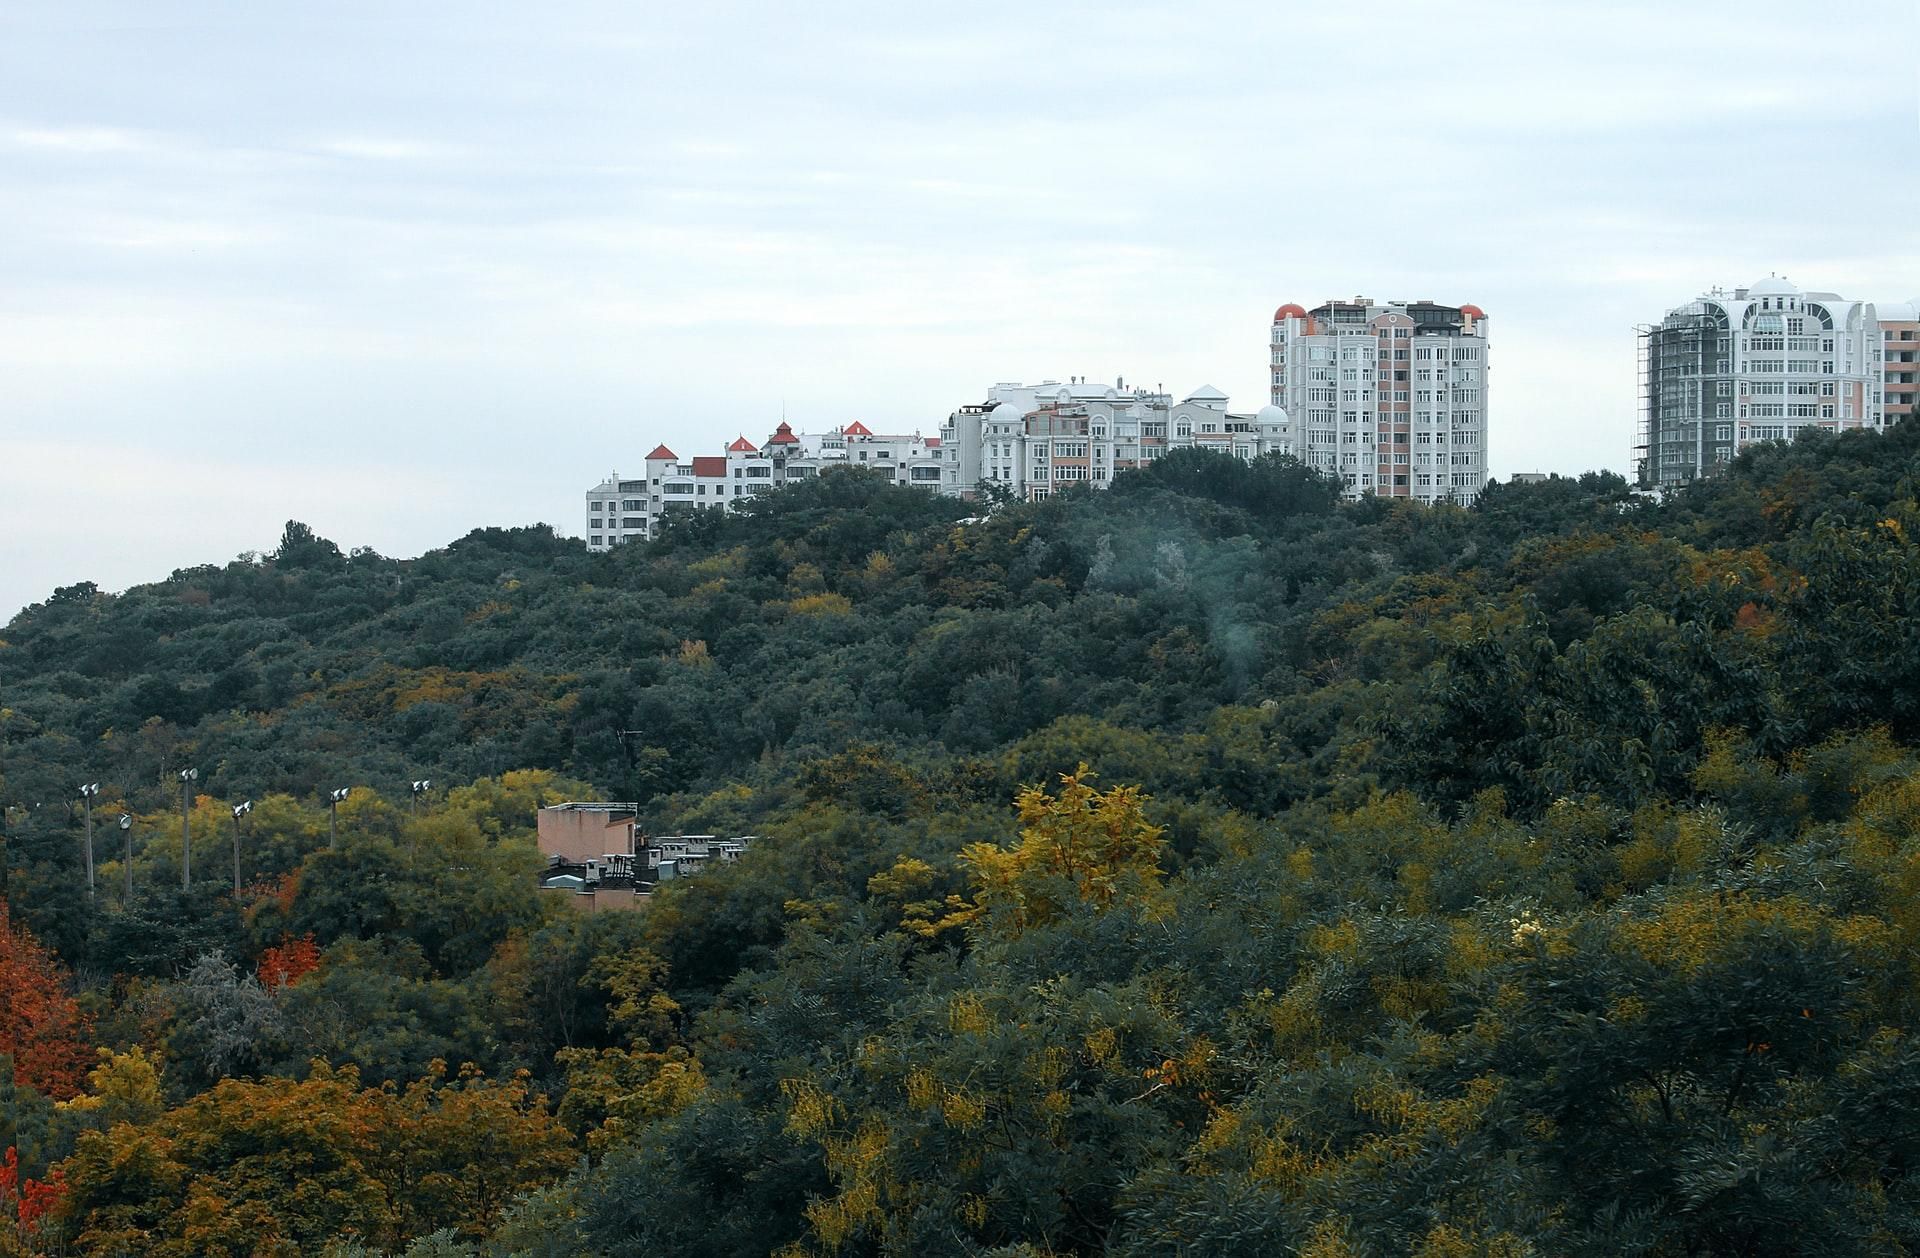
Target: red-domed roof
{"x": 661, "y": 452}
{"x": 783, "y": 436}
{"x": 1473, "y": 312}
{"x": 742, "y": 446}
{"x": 1290, "y": 311}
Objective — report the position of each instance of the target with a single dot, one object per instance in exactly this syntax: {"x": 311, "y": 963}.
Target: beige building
{"x": 578, "y": 833}
{"x": 1900, "y": 341}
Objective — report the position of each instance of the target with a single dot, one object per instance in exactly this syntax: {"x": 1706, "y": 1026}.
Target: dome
{"x": 1473, "y": 312}
{"x": 1006, "y": 413}
{"x": 1271, "y": 414}
{"x": 1289, "y": 311}
{"x": 1773, "y": 286}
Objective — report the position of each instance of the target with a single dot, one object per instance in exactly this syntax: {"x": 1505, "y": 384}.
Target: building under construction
{"x": 1757, "y": 364}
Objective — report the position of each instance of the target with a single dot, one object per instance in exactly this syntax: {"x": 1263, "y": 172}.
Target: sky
{"x": 404, "y": 270}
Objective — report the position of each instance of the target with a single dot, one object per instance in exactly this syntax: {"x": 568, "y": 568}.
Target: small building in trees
{"x": 586, "y": 831}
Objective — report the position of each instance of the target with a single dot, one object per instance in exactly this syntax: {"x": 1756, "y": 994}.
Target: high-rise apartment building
{"x": 1391, "y": 396}
{"x": 1900, "y": 344}
{"x": 1762, "y": 363}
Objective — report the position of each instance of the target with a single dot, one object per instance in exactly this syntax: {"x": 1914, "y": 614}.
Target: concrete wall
{"x": 581, "y": 834}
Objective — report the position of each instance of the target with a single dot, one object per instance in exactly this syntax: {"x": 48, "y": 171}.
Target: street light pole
{"x": 333, "y": 808}
{"x": 239, "y": 810}
{"x": 413, "y": 805}
{"x": 126, "y": 863}
{"x": 187, "y": 778}
{"x": 87, "y": 792}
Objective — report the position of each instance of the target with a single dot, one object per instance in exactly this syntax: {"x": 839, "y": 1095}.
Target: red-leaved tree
{"x": 23, "y": 1203}
{"x": 40, "y": 1025}
{"x": 288, "y": 961}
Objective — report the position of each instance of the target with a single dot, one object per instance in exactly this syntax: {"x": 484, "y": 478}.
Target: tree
{"x": 1077, "y": 845}
{"x": 286, "y": 1166}
{"x": 42, "y": 1029}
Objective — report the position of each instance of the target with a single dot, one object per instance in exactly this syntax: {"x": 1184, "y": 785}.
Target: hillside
{"x": 1203, "y": 866}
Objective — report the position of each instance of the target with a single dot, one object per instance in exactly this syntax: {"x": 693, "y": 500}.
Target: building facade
{"x": 1761, "y": 363}
{"x": 625, "y": 510}
{"x": 1035, "y": 439}
{"x": 1390, "y": 396}
{"x": 1029, "y": 439}
{"x": 1900, "y": 345}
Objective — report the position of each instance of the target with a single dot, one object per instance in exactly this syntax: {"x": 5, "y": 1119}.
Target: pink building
{"x": 582, "y": 832}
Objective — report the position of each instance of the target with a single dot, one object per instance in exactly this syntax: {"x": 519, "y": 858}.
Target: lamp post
{"x": 87, "y": 793}
{"x": 187, "y": 778}
{"x": 239, "y": 810}
{"x": 413, "y": 812}
{"x": 126, "y": 862}
{"x": 334, "y": 799}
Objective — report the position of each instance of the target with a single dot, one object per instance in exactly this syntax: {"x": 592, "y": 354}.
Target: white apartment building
{"x": 1391, "y": 396}
{"x": 624, "y": 510}
{"x": 1762, "y": 363}
{"x": 1033, "y": 439}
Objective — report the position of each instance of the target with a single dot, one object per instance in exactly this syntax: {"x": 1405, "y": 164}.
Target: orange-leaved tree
{"x": 288, "y": 961}
{"x": 41, "y": 1027}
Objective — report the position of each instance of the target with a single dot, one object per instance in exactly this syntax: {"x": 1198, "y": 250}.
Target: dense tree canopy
{"x": 1203, "y": 866}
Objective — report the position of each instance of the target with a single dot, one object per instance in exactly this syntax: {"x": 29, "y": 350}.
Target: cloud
{"x": 389, "y": 150}
{"x": 81, "y": 140}
{"x": 537, "y": 248}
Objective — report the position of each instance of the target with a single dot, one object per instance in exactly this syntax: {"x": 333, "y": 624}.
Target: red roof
{"x": 709, "y": 465}
{"x": 661, "y": 452}
{"x": 742, "y": 446}
{"x": 857, "y": 429}
{"x": 1473, "y": 312}
{"x": 1289, "y": 311}
{"x": 931, "y": 443}
{"x": 783, "y": 436}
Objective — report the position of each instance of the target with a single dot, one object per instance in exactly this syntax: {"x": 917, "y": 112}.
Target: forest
{"x": 1204, "y": 866}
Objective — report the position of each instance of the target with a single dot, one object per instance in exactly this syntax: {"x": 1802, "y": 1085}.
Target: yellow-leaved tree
{"x": 1077, "y": 845}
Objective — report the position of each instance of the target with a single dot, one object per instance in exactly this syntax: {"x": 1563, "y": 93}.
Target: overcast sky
{"x": 403, "y": 269}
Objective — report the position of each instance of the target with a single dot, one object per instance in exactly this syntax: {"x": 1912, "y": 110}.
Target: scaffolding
{"x": 1643, "y": 413}
{"x": 1681, "y": 359}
